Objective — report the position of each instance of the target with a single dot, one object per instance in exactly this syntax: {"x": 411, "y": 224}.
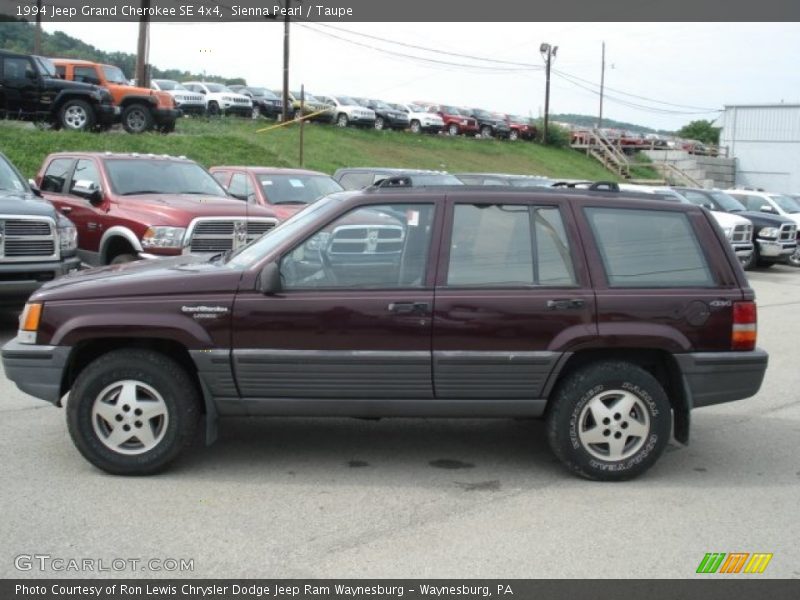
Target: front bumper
{"x": 107, "y": 114}
{"x": 270, "y": 110}
{"x": 775, "y": 249}
{"x": 20, "y": 280}
{"x": 362, "y": 121}
{"x": 36, "y": 370}
{"x": 192, "y": 109}
{"x": 742, "y": 250}
{"x": 716, "y": 377}
{"x": 166, "y": 116}
{"x": 238, "y": 109}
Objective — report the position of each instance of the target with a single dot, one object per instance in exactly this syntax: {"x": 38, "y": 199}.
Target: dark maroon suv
{"x": 610, "y": 317}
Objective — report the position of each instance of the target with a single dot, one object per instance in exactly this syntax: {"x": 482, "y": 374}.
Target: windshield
{"x": 262, "y": 246}
{"x": 481, "y": 113}
{"x": 297, "y": 189}
{"x": 786, "y": 204}
{"x": 143, "y": 176}
{"x": 168, "y": 85}
{"x": 216, "y": 88}
{"x": 428, "y": 179}
{"x": 416, "y": 108}
{"x": 263, "y": 92}
{"x": 10, "y": 181}
{"x": 114, "y": 75}
{"x": 347, "y": 101}
{"x": 727, "y": 202}
{"x": 45, "y": 66}
{"x": 382, "y": 105}
{"x": 450, "y": 110}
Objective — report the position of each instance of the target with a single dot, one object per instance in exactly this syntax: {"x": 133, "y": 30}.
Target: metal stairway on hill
{"x": 599, "y": 147}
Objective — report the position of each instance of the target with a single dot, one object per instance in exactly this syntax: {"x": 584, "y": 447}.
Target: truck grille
{"x": 27, "y": 238}
{"x": 742, "y": 233}
{"x": 366, "y": 239}
{"x": 219, "y": 235}
{"x": 788, "y": 232}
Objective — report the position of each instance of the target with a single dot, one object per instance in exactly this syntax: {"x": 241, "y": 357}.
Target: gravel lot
{"x": 419, "y": 498}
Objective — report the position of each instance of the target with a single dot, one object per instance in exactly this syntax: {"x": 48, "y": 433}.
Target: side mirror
{"x": 88, "y": 190}
{"x": 34, "y": 188}
{"x": 767, "y": 209}
{"x": 708, "y": 205}
{"x": 32, "y": 75}
{"x": 269, "y": 280}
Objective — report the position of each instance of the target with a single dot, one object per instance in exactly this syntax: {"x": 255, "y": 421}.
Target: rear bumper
{"x": 717, "y": 377}
{"x": 36, "y": 370}
{"x": 20, "y": 280}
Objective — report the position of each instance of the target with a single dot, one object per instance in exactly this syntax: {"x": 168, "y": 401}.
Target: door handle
{"x": 409, "y": 307}
{"x": 66, "y": 209}
{"x": 565, "y": 304}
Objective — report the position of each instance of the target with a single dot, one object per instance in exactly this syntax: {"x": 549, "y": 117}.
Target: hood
{"x": 182, "y": 208}
{"x": 729, "y": 219}
{"x": 25, "y": 204}
{"x": 184, "y": 275}
{"x": 764, "y": 218}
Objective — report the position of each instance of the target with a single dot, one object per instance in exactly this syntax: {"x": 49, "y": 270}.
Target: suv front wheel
{"x": 76, "y": 115}
{"x": 137, "y": 118}
{"x": 609, "y": 421}
{"x": 133, "y": 411}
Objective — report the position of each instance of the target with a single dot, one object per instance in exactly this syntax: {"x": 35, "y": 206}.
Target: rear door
{"x": 20, "y": 85}
{"x": 512, "y": 295}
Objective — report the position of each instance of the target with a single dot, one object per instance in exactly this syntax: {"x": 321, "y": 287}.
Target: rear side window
{"x": 56, "y": 175}
{"x": 648, "y": 248}
{"x": 86, "y": 75}
{"x": 356, "y": 181}
{"x": 508, "y": 245}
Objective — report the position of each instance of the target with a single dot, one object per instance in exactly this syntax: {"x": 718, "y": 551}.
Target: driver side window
{"x": 371, "y": 247}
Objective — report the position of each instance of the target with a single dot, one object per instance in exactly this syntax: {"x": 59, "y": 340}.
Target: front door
{"x": 512, "y": 295}
{"x": 352, "y": 321}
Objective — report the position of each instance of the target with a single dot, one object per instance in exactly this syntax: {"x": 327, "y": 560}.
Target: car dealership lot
{"x": 423, "y": 498}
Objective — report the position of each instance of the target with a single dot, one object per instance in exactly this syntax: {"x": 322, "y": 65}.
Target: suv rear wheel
{"x": 132, "y": 412}
{"x": 137, "y": 118}
{"x": 416, "y": 127}
{"x": 76, "y": 115}
{"x": 609, "y": 421}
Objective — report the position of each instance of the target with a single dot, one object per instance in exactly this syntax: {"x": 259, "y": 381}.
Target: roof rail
{"x": 392, "y": 181}
{"x": 592, "y": 186}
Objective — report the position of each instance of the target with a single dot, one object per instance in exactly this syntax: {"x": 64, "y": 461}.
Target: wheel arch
{"x": 114, "y": 234}
{"x": 658, "y": 362}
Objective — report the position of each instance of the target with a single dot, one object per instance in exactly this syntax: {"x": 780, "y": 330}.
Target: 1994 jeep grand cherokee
{"x": 610, "y": 316}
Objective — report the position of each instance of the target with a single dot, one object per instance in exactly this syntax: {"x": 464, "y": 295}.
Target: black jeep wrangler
{"x": 31, "y": 91}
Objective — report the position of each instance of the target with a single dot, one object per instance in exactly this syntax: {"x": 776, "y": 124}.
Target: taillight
{"x": 743, "y": 333}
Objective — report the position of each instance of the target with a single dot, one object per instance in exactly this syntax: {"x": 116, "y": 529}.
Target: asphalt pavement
{"x": 302, "y": 498}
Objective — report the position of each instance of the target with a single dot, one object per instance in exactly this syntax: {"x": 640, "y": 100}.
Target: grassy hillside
{"x": 235, "y": 141}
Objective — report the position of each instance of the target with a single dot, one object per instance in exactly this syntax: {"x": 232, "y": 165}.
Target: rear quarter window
{"x": 649, "y": 248}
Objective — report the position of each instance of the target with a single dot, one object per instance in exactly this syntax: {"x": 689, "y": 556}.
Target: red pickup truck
{"x": 132, "y": 206}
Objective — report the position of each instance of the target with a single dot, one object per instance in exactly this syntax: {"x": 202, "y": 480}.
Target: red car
{"x": 456, "y": 121}
{"x": 521, "y": 128}
{"x": 284, "y": 191}
{"x": 132, "y": 206}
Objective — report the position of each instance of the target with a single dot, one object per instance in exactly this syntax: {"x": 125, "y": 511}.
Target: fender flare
{"x": 118, "y": 231}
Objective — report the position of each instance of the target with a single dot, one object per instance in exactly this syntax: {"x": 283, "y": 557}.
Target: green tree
{"x": 702, "y": 131}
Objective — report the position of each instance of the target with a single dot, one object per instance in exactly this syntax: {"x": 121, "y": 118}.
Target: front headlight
{"x": 769, "y": 233}
{"x": 67, "y": 236}
{"x": 163, "y": 237}
{"x": 728, "y": 231}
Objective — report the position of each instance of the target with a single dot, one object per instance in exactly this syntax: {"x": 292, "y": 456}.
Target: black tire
{"x": 513, "y": 135}
{"x": 794, "y": 258}
{"x": 764, "y": 264}
{"x": 157, "y": 371}
{"x": 213, "y": 109}
{"x": 256, "y": 112}
{"x": 416, "y": 127}
{"x": 76, "y": 115}
{"x": 452, "y": 129}
{"x": 379, "y": 123}
{"x": 486, "y": 131}
{"x": 137, "y": 118}
{"x": 342, "y": 120}
{"x": 602, "y": 384}
{"x": 121, "y": 259}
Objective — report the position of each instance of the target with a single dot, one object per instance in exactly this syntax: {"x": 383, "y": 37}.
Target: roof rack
{"x": 593, "y": 186}
{"x": 393, "y": 181}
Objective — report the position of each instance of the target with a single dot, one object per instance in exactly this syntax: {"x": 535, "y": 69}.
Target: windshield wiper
{"x": 292, "y": 202}
{"x": 137, "y": 192}
{"x": 222, "y": 256}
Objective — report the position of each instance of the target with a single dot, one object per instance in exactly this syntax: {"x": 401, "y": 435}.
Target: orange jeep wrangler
{"x": 142, "y": 109}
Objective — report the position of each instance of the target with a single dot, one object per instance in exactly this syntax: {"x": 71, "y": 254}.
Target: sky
{"x": 660, "y": 75}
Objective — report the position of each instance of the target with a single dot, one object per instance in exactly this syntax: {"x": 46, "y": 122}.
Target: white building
{"x": 765, "y": 140}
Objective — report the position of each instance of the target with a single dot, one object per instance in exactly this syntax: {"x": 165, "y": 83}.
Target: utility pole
{"x": 286, "y": 62}
{"x": 602, "y": 86}
{"x": 37, "y": 39}
{"x": 548, "y": 53}
{"x": 143, "y": 47}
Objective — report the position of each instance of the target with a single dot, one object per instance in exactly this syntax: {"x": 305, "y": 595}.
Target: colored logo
{"x": 734, "y": 562}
